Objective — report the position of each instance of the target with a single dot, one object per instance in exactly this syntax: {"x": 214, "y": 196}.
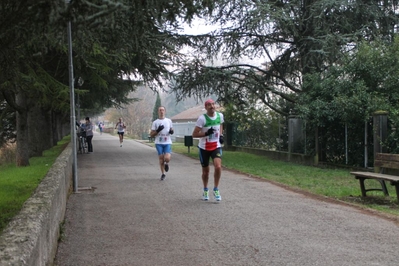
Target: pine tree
{"x": 111, "y": 41}
{"x": 156, "y": 106}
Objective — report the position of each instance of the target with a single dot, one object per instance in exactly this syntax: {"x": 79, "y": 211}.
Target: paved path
{"x": 133, "y": 218}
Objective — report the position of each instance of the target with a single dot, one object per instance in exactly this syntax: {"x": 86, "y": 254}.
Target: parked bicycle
{"x": 82, "y": 141}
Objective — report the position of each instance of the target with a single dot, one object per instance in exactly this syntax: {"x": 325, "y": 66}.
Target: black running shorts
{"x": 204, "y": 156}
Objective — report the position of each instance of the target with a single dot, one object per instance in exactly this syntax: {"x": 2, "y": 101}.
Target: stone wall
{"x": 31, "y": 238}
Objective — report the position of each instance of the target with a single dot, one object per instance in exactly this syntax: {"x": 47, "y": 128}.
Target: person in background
{"x": 209, "y": 128}
{"x": 121, "y": 130}
{"x": 100, "y": 126}
{"x": 161, "y": 129}
{"x": 89, "y": 135}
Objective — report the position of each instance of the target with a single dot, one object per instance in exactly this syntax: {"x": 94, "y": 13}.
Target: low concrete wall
{"x": 31, "y": 238}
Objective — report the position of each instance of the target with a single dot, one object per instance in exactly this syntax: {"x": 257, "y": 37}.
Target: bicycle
{"x": 82, "y": 141}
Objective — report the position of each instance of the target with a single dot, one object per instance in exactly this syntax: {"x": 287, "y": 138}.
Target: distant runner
{"x": 100, "y": 126}
{"x": 121, "y": 130}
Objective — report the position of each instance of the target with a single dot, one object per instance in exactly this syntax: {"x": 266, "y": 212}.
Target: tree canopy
{"x": 301, "y": 48}
{"x": 292, "y": 40}
{"x": 117, "y": 45}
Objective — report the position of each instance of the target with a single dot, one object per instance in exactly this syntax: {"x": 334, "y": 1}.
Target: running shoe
{"x": 205, "y": 195}
{"x": 166, "y": 167}
{"x": 163, "y": 176}
{"x": 216, "y": 193}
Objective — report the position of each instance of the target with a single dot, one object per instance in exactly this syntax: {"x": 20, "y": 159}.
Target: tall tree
{"x": 291, "y": 39}
{"x": 348, "y": 94}
{"x": 116, "y": 43}
{"x": 27, "y": 30}
{"x": 156, "y": 106}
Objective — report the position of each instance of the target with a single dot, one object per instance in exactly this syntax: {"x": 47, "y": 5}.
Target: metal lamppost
{"x": 72, "y": 106}
{"x": 79, "y": 84}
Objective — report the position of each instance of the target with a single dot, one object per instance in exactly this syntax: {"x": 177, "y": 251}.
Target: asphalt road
{"x": 133, "y": 218}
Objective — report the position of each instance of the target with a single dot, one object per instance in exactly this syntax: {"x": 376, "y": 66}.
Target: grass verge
{"x": 18, "y": 183}
{"x": 334, "y": 183}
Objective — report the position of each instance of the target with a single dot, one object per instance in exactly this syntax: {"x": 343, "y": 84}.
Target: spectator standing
{"x": 89, "y": 135}
{"x": 161, "y": 129}
{"x": 209, "y": 128}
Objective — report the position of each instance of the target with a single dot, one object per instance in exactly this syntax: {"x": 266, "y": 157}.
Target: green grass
{"x": 334, "y": 183}
{"x": 18, "y": 183}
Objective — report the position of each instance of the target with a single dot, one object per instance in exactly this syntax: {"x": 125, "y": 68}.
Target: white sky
{"x": 199, "y": 26}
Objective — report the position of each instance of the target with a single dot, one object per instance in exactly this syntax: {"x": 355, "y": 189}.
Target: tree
{"x": 116, "y": 43}
{"x": 22, "y": 27}
{"x": 348, "y": 94}
{"x": 156, "y": 106}
{"x": 294, "y": 42}
{"x": 293, "y": 39}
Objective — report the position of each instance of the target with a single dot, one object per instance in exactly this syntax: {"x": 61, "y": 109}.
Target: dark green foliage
{"x": 292, "y": 38}
{"x": 258, "y": 128}
{"x": 308, "y": 48}
{"x": 117, "y": 45}
{"x": 156, "y": 106}
{"x": 365, "y": 82}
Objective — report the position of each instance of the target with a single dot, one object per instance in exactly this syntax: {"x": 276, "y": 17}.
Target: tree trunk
{"x": 66, "y": 124}
{"x": 316, "y": 157}
{"x": 61, "y": 126}
{"x": 22, "y": 156}
{"x": 55, "y": 128}
{"x": 40, "y": 136}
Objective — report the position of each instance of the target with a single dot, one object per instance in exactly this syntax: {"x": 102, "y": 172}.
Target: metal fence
{"x": 352, "y": 143}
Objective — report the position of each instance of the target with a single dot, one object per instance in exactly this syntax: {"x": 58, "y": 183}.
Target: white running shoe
{"x": 216, "y": 193}
{"x": 205, "y": 195}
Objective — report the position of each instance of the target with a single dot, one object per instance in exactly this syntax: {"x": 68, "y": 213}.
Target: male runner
{"x": 209, "y": 128}
{"x": 121, "y": 130}
{"x": 161, "y": 130}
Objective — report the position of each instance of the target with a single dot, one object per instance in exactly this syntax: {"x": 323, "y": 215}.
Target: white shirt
{"x": 120, "y": 126}
{"x": 163, "y": 136}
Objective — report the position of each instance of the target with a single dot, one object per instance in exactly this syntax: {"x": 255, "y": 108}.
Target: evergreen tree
{"x": 291, "y": 40}
{"x": 156, "y": 106}
{"x": 112, "y": 42}
{"x": 296, "y": 46}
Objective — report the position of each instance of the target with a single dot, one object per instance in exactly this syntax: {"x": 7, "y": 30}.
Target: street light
{"x": 78, "y": 83}
{"x": 72, "y": 106}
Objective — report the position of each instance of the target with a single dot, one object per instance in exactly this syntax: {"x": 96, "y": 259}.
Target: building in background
{"x": 184, "y": 122}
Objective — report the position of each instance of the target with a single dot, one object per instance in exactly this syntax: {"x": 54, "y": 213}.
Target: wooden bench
{"x": 382, "y": 162}
{"x": 151, "y": 139}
